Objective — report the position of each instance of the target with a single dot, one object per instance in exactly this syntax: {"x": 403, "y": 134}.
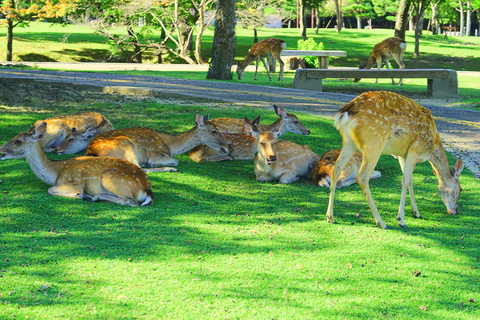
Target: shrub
{"x": 310, "y": 44}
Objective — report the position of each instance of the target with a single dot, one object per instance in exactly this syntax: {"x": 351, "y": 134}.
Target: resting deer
{"x": 58, "y": 128}
{"x": 261, "y": 50}
{"x": 76, "y": 141}
{"x": 387, "y": 123}
{"x": 282, "y": 160}
{"x": 390, "y": 48}
{"x": 323, "y": 171}
{"x": 244, "y": 147}
{"x": 148, "y": 147}
{"x": 91, "y": 178}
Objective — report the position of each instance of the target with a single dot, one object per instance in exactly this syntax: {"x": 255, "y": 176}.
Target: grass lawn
{"x": 219, "y": 244}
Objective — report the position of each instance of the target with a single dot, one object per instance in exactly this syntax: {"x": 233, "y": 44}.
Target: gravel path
{"x": 459, "y": 129}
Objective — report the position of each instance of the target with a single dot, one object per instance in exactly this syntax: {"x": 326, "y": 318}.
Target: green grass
{"x": 219, "y": 244}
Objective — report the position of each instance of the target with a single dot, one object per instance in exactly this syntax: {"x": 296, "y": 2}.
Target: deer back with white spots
{"x": 384, "y": 122}
{"x": 91, "y": 178}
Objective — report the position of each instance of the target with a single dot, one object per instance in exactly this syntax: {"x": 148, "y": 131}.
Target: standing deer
{"x": 282, "y": 160}
{"x": 243, "y": 147}
{"x": 390, "y": 48}
{"x": 261, "y": 50}
{"x": 148, "y": 147}
{"x": 76, "y": 141}
{"x": 323, "y": 171}
{"x": 91, "y": 178}
{"x": 58, "y": 128}
{"x": 387, "y": 123}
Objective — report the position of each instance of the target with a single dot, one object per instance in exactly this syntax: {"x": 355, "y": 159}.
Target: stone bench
{"x": 322, "y": 55}
{"x": 442, "y": 83}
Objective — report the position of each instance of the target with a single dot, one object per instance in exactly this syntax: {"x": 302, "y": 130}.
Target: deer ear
{"x": 457, "y": 168}
{"x": 256, "y": 121}
{"x": 277, "y": 132}
{"x": 280, "y": 112}
{"x": 39, "y": 131}
{"x": 199, "y": 119}
{"x": 89, "y": 133}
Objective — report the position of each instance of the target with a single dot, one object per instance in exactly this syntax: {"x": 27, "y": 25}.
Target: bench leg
{"x": 323, "y": 62}
{"x": 443, "y": 88}
{"x": 302, "y": 81}
{"x": 272, "y": 64}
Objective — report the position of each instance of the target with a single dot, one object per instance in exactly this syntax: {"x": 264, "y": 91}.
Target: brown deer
{"x": 76, "y": 141}
{"x": 390, "y": 48}
{"x": 323, "y": 171}
{"x": 282, "y": 160}
{"x": 148, "y": 147}
{"x": 58, "y": 128}
{"x": 259, "y": 51}
{"x": 90, "y": 178}
{"x": 244, "y": 146}
{"x": 387, "y": 123}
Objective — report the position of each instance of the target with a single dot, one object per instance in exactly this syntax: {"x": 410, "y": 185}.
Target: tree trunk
{"x": 462, "y": 18}
{"x": 319, "y": 19}
{"x": 137, "y": 53}
{"x": 9, "y": 40}
{"x": 224, "y": 41}
{"x": 255, "y": 35}
{"x": 359, "y": 23}
{"x": 469, "y": 19}
{"x": 402, "y": 18}
{"x": 418, "y": 23}
{"x": 301, "y": 17}
{"x": 338, "y": 7}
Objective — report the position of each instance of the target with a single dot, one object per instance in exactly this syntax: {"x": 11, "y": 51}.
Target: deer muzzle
{"x": 271, "y": 159}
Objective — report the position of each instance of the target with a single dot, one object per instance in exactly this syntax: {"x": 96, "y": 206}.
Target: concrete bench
{"x": 322, "y": 55}
{"x": 442, "y": 83}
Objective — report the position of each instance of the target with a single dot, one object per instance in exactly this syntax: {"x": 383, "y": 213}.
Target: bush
{"x": 310, "y": 44}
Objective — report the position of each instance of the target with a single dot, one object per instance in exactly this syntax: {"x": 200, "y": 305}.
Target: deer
{"x": 271, "y": 47}
{"x": 323, "y": 171}
{"x": 384, "y": 122}
{"x": 390, "y": 48}
{"x": 89, "y": 178}
{"x": 282, "y": 160}
{"x": 76, "y": 141}
{"x": 242, "y": 136}
{"x": 60, "y": 127}
{"x": 148, "y": 147}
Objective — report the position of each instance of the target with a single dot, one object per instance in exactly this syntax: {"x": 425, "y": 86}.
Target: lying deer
{"x": 390, "y": 48}
{"x": 91, "y": 178}
{"x": 76, "y": 141}
{"x": 243, "y": 147}
{"x": 271, "y": 47}
{"x": 323, "y": 171}
{"x": 282, "y": 160}
{"x": 387, "y": 123}
{"x": 58, "y": 128}
{"x": 148, "y": 147}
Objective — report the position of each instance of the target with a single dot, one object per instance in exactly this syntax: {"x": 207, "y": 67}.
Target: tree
{"x": 338, "y": 7}
{"x": 18, "y": 13}
{"x": 360, "y": 9}
{"x": 419, "y": 7}
{"x": 402, "y": 18}
{"x": 224, "y": 41}
{"x": 254, "y": 13}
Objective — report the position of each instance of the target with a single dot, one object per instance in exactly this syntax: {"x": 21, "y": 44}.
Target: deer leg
{"x": 369, "y": 162}
{"x": 288, "y": 177}
{"x": 67, "y": 191}
{"x": 401, "y": 65}
{"x": 158, "y": 160}
{"x": 387, "y": 64}
{"x": 256, "y": 68}
{"x": 113, "y": 199}
{"x": 407, "y": 171}
{"x": 120, "y": 189}
{"x": 280, "y": 62}
{"x": 348, "y": 150}
{"x": 266, "y": 68}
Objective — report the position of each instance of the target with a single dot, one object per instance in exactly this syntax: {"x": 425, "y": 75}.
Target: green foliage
{"x": 310, "y": 44}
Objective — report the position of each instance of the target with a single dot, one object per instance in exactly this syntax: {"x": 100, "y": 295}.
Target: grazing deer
{"x": 58, "y": 128}
{"x": 76, "y": 141}
{"x": 261, "y": 50}
{"x": 244, "y": 146}
{"x": 323, "y": 171}
{"x": 282, "y": 160}
{"x": 390, "y": 48}
{"x": 387, "y": 123}
{"x": 148, "y": 147}
{"x": 91, "y": 178}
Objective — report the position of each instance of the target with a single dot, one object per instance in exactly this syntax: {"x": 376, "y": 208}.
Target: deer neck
{"x": 439, "y": 163}
{"x": 184, "y": 142}
{"x": 273, "y": 126}
{"x": 247, "y": 61}
{"x": 45, "y": 169}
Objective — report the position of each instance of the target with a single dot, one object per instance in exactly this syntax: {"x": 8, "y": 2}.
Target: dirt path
{"x": 459, "y": 129}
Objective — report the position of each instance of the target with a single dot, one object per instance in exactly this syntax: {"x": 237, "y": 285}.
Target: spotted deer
{"x": 384, "y": 122}
{"x": 282, "y": 160}
{"x": 148, "y": 147}
{"x": 60, "y": 127}
{"x": 243, "y": 147}
{"x": 271, "y": 47}
{"x": 90, "y": 178}
{"x": 76, "y": 141}
{"x": 390, "y": 48}
{"x": 323, "y": 171}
